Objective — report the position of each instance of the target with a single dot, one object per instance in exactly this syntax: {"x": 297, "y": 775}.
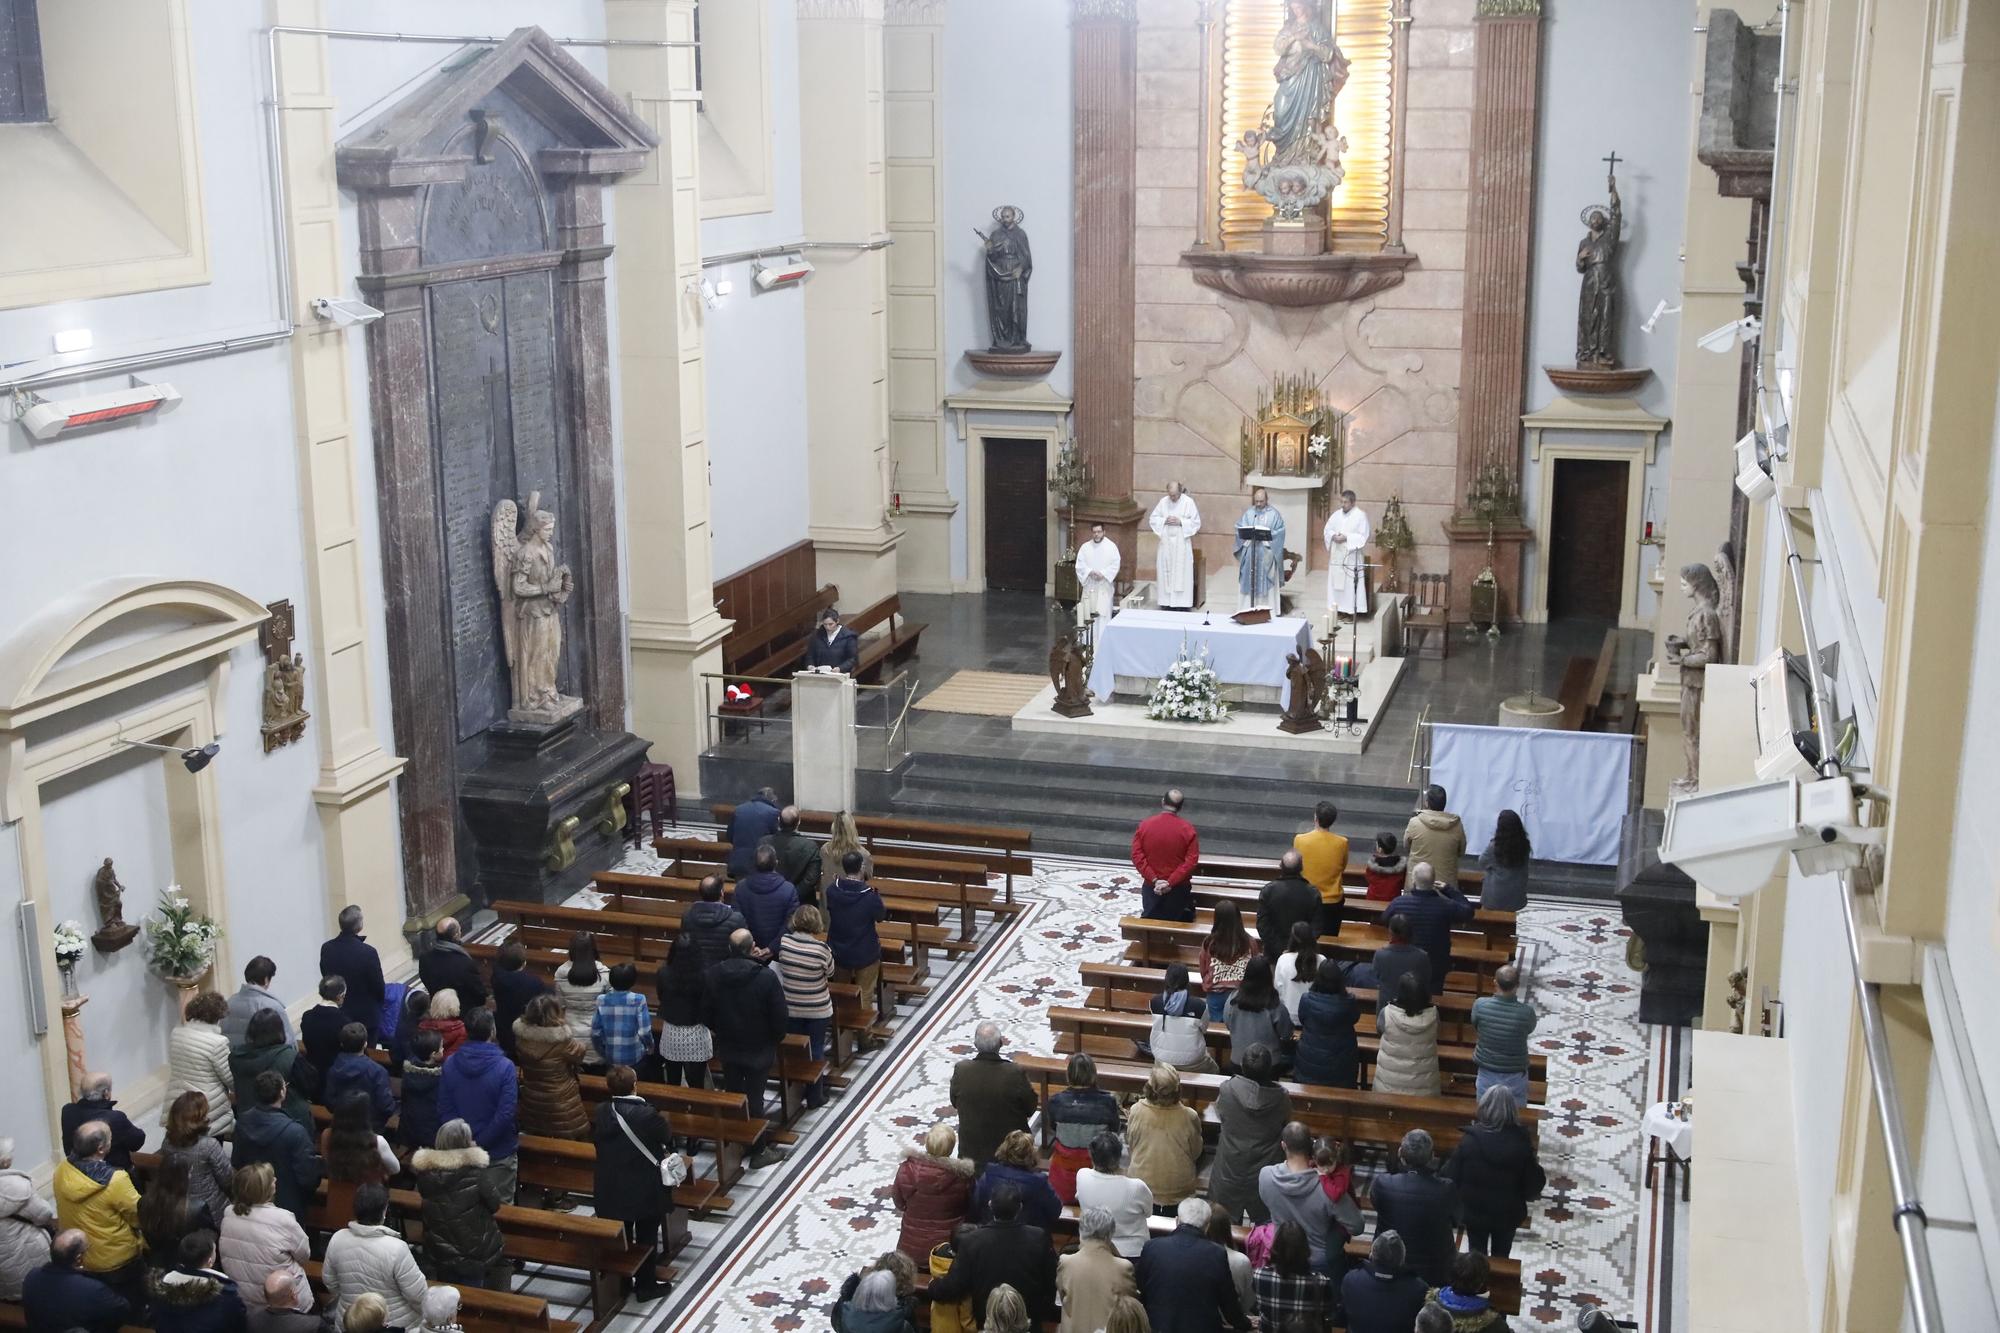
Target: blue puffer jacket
{"x": 480, "y": 1087}
{"x": 855, "y": 908}
{"x": 767, "y": 901}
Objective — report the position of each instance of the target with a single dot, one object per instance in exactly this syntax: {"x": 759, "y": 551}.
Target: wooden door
{"x": 1586, "y": 552}
{"x": 1017, "y": 507}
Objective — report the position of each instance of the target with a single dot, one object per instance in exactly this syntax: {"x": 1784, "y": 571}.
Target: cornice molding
{"x": 866, "y": 11}
{"x": 1509, "y": 9}
{"x": 914, "y": 13}
{"x": 1123, "y": 11}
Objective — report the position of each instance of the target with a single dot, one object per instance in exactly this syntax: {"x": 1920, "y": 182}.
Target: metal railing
{"x": 879, "y": 745}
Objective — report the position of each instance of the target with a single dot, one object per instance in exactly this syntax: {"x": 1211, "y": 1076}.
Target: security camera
{"x": 339, "y": 310}
{"x": 1734, "y": 841}
{"x": 1753, "y": 475}
{"x": 1659, "y": 312}
{"x": 1725, "y": 338}
{"x": 196, "y": 758}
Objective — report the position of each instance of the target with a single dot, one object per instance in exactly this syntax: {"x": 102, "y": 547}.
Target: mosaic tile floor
{"x": 801, "y": 1227}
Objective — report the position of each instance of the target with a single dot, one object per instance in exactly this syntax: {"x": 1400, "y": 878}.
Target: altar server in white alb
{"x": 1347, "y": 534}
{"x": 1097, "y": 564}
{"x": 1175, "y": 521}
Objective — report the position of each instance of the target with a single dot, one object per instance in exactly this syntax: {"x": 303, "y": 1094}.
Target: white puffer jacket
{"x": 24, "y": 1236}
{"x": 361, "y": 1259}
{"x": 253, "y": 1245}
{"x": 198, "y": 1061}
{"x": 1407, "y": 1060}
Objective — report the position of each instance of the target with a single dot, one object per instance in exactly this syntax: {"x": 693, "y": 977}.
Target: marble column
{"x": 1498, "y": 231}
{"x": 843, "y": 184}
{"x": 1104, "y": 80}
{"x": 72, "y": 1019}
{"x": 672, "y": 623}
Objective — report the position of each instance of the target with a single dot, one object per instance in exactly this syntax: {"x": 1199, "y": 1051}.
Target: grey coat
{"x": 1252, "y": 1114}
{"x": 24, "y": 1237}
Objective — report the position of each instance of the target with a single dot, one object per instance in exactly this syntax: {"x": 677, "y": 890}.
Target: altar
{"x": 1137, "y": 646}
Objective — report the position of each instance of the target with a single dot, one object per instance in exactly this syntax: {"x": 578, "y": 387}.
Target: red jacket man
{"x": 1164, "y": 852}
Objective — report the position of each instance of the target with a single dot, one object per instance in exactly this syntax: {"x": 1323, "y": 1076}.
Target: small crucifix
{"x": 1611, "y": 169}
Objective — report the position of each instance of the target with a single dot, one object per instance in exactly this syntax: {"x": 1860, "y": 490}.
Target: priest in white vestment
{"x": 1347, "y": 535}
{"x": 1097, "y": 564}
{"x": 1175, "y": 521}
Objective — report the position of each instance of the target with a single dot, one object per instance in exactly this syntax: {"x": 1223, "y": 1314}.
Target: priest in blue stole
{"x": 1271, "y": 554}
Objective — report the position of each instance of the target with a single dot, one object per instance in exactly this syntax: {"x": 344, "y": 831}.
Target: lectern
{"x": 824, "y": 751}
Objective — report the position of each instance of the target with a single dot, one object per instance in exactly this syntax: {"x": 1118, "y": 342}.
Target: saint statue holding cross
{"x": 1597, "y": 261}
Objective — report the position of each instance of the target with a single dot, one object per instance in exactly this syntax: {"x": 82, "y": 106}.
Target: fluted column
{"x": 1104, "y": 73}
{"x": 1498, "y": 229}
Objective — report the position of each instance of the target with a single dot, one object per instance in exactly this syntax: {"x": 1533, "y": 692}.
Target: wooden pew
{"x": 1010, "y": 847}
{"x": 1157, "y": 943}
{"x": 1115, "y": 1034}
{"x": 1351, "y": 1115}
{"x": 1124, "y": 986}
{"x": 701, "y": 856}
{"x": 899, "y": 643}
{"x": 672, "y": 895}
{"x": 776, "y": 645}
{"x": 1494, "y": 930}
{"x": 1583, "y": 683}
{"x": 483, "y": 1311}
{"x": 1260, "y": 870}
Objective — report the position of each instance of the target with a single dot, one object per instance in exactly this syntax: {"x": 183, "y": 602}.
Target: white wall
{"x": 1613, "y": 77}
{"x": 756, "y": 349}
{"x": 1007, "y": 140}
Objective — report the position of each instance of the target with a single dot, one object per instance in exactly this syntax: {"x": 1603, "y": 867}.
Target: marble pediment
{"x": 436, "y": 133}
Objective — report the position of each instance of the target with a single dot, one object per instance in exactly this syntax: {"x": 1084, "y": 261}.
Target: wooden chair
{"x": 1427, "y": 623}
{"x": 652, "y": 794}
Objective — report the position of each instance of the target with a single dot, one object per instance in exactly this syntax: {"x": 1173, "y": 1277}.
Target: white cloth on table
{"x": 1677, "y": 1134}
{"x": 1342, "y": 592}
{"x": 1144, "y": 643}
{"x": 1174, "y": 568}
{"x": 1097, "y": 564}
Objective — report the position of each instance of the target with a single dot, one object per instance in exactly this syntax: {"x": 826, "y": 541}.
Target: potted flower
{"x": 180, "y": 942}
{"x": 69, "y": 941}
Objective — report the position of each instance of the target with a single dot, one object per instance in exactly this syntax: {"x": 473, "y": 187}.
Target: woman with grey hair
{"x": 441, "y": 1310}
{"x": 1006, "y": 1311}
{"x": 874, "y": 1307}
{"x": 26, "y": 1223}
{"x": 1497, "y": 1174}
{"x": 1090, "y": 1281}
{"x": 462, "y": 1202}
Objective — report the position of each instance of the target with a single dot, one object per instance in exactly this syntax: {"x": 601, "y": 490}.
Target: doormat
{"x": 985, "y": 693}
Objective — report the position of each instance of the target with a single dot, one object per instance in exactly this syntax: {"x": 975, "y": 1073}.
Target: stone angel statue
{"x": 533, "y": 591}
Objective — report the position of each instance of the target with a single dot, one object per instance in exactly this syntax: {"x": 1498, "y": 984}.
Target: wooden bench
{"x": 886, "y": 649}
{"x": 1010, "y": 846}
{"x": 481, "y": 1310}
{"x": 1583, "y": 685}
{"x": 1355, "y": 1116}
{"x": 1129, "y": 988}
{"x": 1493, "y": 930}
{"x": 1116, "y": 1034}
{"x": 776, "y": 645}
{"x": 671, "y": 895}
{"x": 1157, "y": 943}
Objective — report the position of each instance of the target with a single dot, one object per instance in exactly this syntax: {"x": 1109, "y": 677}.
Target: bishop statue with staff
{"x": 1175, "y": 521}
{"x": 1347, "y": 536}
{"x": 1260, "y": 566}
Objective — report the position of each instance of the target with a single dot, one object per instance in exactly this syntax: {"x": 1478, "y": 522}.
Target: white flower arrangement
{"x": 1189, "y": 692}
{"x": 69, "y": 943}
{"x": 180, "y": 944}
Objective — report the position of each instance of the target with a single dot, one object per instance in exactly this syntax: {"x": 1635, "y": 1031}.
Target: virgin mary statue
{"x": 1311, "y": 71}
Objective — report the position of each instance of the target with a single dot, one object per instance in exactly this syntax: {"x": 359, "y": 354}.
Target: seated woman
{"x": 1180, "y": 1030}
{"x": 355, "y": 1156}
{"x": 1079, "y": 1113}
{"x": 551, "y": 1104}
{"x": 1294, "y": 972}
{"x": 187, "y": 1139}
{"x": 1224, "y": 954}
{"x": 1328, "y": 1054}
{"x": 933, "y": 1192}
{"x": 1015, "y": 1162}
{"x": 168, "y": 1214}
{"x": 1290, "y": 1293}
{"x": 1256, "y": 1017}
{"x": 444, "y": 1020}
{"x": 462, "y": 1241}
{"x": 1406, "y": 1058}
{"x": 259, "y": 1239}
{"x": 1165, "y": 1137}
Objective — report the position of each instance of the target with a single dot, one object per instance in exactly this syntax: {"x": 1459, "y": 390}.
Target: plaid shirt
{"x": 623, "y": 1027}
{"x": 1282, "y": 1297}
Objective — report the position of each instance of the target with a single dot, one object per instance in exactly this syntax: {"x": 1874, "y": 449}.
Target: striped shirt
{"x": 622, "y": 1028}
{"x": 806, "y": 965}
{"x": 1504, "y": 1025}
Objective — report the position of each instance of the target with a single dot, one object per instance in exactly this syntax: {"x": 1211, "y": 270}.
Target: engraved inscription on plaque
{"x": 498, "y": 209}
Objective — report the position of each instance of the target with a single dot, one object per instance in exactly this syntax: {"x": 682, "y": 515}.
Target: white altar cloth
{"x": 1143, "y": 643}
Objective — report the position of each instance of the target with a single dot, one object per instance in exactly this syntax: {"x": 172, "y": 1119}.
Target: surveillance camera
{"x": 198, "y": 758}
{"x": 339, "y": 310}
{"x": 1753, "y": 476}
{"x": 1725, "y": 338}
{"x": 1734, "y": 841}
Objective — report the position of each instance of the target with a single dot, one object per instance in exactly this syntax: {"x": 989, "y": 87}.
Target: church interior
{"x": 837, "y": 577}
